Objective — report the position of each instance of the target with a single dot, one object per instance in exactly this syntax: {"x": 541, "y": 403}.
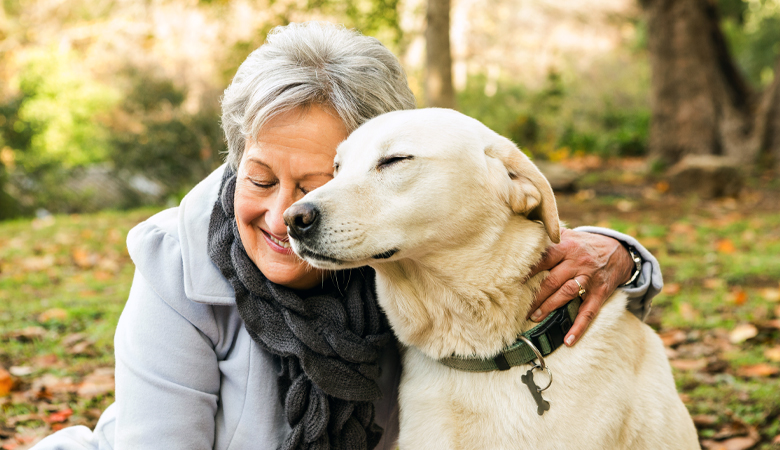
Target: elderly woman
{"x": 228, "y": 340}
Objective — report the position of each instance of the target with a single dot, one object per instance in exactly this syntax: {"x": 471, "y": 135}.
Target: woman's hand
{"x": 599, "y": 263}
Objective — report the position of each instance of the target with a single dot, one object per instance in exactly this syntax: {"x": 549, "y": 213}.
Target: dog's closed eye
{"x": 392, "y": 159}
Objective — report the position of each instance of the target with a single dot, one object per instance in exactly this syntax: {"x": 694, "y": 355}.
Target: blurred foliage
{"x": 55, "y": 120}
{"x": 752, "y": 28}
{"x": 558, "y": 120}
{"x": 155, "y": 136}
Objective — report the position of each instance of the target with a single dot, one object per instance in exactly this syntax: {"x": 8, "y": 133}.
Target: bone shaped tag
{"x": 528, "y": 380}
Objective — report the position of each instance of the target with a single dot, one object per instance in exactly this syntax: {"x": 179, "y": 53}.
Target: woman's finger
{"x": 551, "y": 258}
{"x": 588, "y": 310}
{"x": 565, "y": 290}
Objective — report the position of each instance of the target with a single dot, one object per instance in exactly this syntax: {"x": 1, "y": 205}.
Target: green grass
{"x": 79, "y": 263}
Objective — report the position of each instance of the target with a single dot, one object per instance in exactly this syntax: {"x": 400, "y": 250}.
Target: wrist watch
{"x": 637, "y": 265}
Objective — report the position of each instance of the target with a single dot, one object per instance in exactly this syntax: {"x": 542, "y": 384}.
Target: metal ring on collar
{"x": 542, "y": 365}
{"x": 582, "y": 290}
{"x": 536, "y": 351}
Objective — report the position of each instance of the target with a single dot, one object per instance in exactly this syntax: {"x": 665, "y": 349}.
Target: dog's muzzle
{"x": 301, "y": 220}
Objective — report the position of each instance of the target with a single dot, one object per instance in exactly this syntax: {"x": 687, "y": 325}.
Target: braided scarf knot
{"x": 327, "y": 345}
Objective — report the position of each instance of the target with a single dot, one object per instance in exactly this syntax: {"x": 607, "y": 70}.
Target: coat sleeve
{"x": 167, "y": 375}
{"x": 649, "y": 282}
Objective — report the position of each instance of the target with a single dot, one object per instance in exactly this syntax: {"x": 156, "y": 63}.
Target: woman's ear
{"x": 530, "y": 193}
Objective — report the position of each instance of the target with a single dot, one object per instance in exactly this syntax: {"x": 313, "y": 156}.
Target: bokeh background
{"x": 660, "y": 118}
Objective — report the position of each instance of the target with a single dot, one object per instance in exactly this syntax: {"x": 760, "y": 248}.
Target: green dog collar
{"x": 546, "y": 337}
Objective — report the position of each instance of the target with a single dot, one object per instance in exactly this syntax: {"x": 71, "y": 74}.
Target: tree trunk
{"x": 701, "y": 103}
{"x": 438, "y": 80}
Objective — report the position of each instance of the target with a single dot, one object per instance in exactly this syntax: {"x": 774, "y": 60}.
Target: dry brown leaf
{"x": 776, "y": 440}
{"x": 688, "y": 312}
{"x": 742, "y": 333}
{"x": 38, "y": 263}
{"x": 777, "y": 311}
{"x": 27, "y": 334}
{"x": 99, "y": 382}
{"x": 682, "y": 228}
{"x": 713, "y": 283}
{"x": 671, "y": 288}
{"x": 704, "y": 420}
{"x": 72, "y": 339}
{"x": 48, "y": 384}
{"x": 59, "y": 416}
{"x": 774, "y": 323}
{"x": 738, "y": 296}
{"x": 689, "y": 364}
{"x": 53, "y": 314}
{"x": 771, "y": 294}
{"x": 83, "y": 258}
{"x": 21, "y": 371}
{"x": 81, "y": 348}
{"x": 726, "y": 246}
{"x": 662, "y": 186}
{"x": 6, "y": 382}
{"x": 773, "y": 353}
{"x": 670, "y": 338}
{"x": 737, "y": 443}
{"x": 758, "y": 370}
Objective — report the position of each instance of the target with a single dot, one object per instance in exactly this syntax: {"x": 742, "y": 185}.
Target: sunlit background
{"x": 109, "y": 112}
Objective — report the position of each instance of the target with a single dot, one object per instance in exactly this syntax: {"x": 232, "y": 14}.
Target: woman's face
{"x": 292, "y": 155}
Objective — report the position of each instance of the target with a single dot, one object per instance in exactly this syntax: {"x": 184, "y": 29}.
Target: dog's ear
{"x": 529, "y": 191}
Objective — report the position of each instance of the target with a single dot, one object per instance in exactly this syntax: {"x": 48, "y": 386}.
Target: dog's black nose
{"x": 301, "y": 219}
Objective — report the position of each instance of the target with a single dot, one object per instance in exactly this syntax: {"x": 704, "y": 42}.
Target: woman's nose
{"x": 275, "y": 215}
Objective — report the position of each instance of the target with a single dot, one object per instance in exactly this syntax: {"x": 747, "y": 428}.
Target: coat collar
{"x": 203, "y": 282}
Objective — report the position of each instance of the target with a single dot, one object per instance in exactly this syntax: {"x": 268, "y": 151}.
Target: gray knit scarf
{"x": 328, "y": 343}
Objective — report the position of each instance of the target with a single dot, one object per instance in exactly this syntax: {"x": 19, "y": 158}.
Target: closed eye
{"x": 390, "y": 160}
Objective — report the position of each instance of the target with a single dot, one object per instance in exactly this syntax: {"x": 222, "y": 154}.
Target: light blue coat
{"x": 188, "y": 375}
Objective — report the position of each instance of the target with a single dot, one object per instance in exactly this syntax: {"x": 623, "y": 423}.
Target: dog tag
{"x": 528, "y": 380}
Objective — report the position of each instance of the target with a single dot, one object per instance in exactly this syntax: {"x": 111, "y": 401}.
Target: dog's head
{"x": 412, "y": 182}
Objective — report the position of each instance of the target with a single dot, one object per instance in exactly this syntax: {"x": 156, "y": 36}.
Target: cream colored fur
{"x": 454, "y": 209}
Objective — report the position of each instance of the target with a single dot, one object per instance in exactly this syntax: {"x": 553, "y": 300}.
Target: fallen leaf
{"x": 670, "y": 338}
{"x": 38, "y": 263}
{"x": 776, "y": 440}
{"x": 625, "y": 205}
{"x": 99, "y": 382}
{"x": 59, "y": 416}
{"x": 685, "y": 398}
{"x": 689, "y": 364}
{"x": 71, "y": 339}
{"x": 742, "y": 333}
{"x": 773, "y": 353}
{"x": 704, "y": 420}
{"x": 82, "y": 348}
{"x": 53, "y": 314}
{"x": 20, "y": 371}
{"x": 737, "y": 443}
{"x": 6, "y": 382}
{"x": 738, "y": 296}
{"x": 671, "y": 288}
{"x": 27, "y": 334}
{"x": 688, "y": 312}
{"x": 774, "y": 323}
{"x": 83, "y": 258}
{"x": 662, "y": 186}
{"x": 771, "y": 294}
{"x": 726, "y": 246}
{"x": 758, "y": 370}
{"x": 48, "y": 385}
{"x": 682, "y": 228}
{"x": 713, "y": 283}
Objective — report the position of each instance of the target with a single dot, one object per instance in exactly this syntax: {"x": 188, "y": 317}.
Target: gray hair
{"x": 304, "y": 64}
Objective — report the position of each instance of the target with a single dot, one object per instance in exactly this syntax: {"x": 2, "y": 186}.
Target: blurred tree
{"x": 701, "y": 101}
{"x": 439, "y": 91}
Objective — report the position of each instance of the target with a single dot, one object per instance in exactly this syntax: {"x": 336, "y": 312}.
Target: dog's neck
{"x": 471, "y": 300}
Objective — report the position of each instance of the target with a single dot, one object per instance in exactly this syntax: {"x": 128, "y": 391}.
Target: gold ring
{"x": 581, "y": 292}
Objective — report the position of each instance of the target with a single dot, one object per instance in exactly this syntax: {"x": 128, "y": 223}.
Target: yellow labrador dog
{"x": 451, "y": 216}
